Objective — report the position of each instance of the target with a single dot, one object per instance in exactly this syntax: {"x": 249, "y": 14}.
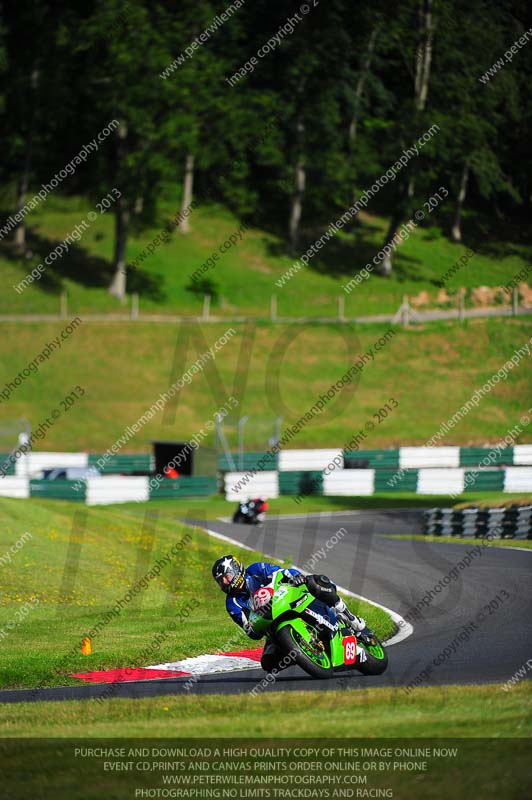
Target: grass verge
{"x": 468, "y": 540}
{"x": 448, "y": 711}
{"x": 210, "y": 508}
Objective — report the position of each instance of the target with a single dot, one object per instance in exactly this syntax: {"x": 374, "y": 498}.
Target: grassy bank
{"x": 282, "y": 372}
{"x": 260, "y": 256}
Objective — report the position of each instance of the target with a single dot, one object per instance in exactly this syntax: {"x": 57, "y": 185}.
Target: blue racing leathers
{"x": 239, "y": 605}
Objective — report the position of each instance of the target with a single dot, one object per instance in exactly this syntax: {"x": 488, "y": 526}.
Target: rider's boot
{"x": 357, "y": 624}
{"x": 273, "y": 661}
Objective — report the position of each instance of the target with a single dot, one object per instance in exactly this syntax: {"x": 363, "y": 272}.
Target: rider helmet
{"x": 228, "y": 572}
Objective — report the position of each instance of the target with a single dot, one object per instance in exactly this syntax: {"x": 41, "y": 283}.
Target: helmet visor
{"x": 227, "y": 578}
{"x": 229, "y": 575}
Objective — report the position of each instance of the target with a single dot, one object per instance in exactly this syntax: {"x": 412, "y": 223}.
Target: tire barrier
{"x": 513, "y": 522}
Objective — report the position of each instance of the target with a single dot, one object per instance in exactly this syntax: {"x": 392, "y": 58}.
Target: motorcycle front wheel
{"x": 376, "y": 658}
{"x": 307, "y": 651}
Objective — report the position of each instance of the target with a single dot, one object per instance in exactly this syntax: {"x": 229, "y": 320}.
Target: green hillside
{"x": 123, "y": 367}
{"x": 244, "y": 278}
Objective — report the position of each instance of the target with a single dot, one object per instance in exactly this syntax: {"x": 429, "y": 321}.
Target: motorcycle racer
{"x": 239, "y": 583}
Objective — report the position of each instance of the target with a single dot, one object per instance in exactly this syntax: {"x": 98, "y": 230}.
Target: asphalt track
{"x": 489, "y": 603}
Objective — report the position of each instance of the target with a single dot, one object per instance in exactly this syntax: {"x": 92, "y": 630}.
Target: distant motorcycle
{"x": 252, "y": 512}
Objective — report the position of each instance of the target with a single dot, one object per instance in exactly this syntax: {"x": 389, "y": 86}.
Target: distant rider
{"x": 239, "y": 583}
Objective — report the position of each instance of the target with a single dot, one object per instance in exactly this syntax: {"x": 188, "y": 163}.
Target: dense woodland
{"x": 293, "y": 143}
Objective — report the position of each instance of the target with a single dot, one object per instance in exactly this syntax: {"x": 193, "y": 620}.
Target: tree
{"x": 473, "y": 118}
{"x": 28, "y": 45}
{"x": 329, "y": 108}
{"x": 135, "y": 161}
{"x": 309, "y": 74}
{"x": 425, "y": 34}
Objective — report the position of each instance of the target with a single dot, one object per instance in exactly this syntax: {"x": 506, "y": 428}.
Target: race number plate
{"x": 350, "y": 649}
{"x": 262, "y": 596}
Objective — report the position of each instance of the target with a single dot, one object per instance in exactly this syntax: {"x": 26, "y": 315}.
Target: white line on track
{"x": 231, "y": 541}
{"x": 405, "y": 628}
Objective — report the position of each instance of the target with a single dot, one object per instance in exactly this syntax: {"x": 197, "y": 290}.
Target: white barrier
{"x": 304, "y": 460}
{"x": 263, "y": 484}
{"x": 518, "y": 479}
{"x": 33, "y": 462}
{"x": 354, "y": 482}
{"x": 440, "y": 481}
{"x": 117, "y": 489}
{"x": 12, "y": 486}
{"x": 522, "y": 454}
{"x": 420, "y": 457}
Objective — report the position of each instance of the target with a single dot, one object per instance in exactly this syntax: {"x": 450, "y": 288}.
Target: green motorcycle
{"x": 309, "y": 634}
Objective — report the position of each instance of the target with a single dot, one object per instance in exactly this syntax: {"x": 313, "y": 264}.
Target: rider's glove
{"x": 294, "y": 580}
{"x": 248, "y": 628}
